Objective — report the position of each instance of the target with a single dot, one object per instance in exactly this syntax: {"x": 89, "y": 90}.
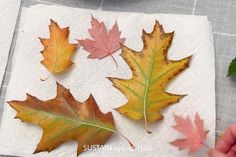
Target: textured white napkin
{"x": 193, "y": 35}
{"x": 8, "y": 17}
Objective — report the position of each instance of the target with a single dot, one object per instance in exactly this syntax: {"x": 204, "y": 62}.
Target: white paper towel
{"x": 193, "y": 35}
{"x": 8, "y": 17}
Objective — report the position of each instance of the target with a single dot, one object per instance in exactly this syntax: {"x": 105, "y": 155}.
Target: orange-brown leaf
{"x": 64, "y": 118}
{"x": 152, "y": 71}
{"x": 57, "y": 51}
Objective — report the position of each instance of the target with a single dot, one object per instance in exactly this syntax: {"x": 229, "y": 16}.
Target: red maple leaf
{"x": 195, "y": 135}
{"x": 104, "y": 43}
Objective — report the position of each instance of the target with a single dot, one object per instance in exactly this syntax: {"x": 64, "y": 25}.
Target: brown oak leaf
{"x": 64, "y": 118}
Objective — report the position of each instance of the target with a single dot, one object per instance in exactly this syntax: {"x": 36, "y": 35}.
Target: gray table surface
{"x": 222, "y": 13}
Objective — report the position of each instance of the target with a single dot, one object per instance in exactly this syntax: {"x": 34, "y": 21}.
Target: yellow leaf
{"x": 57, "y": 51}
{"x": 152, "y": 71}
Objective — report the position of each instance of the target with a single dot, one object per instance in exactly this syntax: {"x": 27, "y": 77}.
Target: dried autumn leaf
{"x": 152, "y": 71}
{"x": 57, "y": 51}
{"x": 64, "y": 118}
{"x": 195, "y": 135}
{"x": 104, "y": 43}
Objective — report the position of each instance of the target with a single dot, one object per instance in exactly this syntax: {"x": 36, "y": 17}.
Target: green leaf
{"x": 232, "y": 68}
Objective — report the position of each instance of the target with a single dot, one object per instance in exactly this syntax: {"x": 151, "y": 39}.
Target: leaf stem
{"x": 146, "y": 126}
{"x": 130, "y": 143}
{"x": 114, "y": 60}
{"x": 205, "y": 145}
{"x": 46, "y": 77}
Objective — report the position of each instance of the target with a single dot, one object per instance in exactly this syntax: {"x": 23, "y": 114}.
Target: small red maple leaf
{"x": 104, "y": 43}
{"x": 195, "y": 135}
